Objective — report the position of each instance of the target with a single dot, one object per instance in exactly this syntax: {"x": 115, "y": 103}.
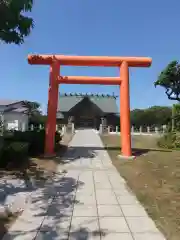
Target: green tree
{"x": 153, "y": 116}
{"x": 159, "y": 115}
{"x": 14, "y": 24}
{"x": 169, "y": 79}
{"x": 35, "y": 114}
{"x": 137, "y": 118}
{"x": 33, "y": 108}
{"x": 38, "y": 119}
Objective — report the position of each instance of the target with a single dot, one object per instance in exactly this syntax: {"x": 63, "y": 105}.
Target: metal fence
{"x": 141, "y": 129}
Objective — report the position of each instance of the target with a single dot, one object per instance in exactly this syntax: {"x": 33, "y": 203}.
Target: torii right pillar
{"x": 125, "y": 111}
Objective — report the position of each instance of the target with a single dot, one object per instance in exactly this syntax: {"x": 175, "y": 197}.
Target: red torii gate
{"x": 123, "y": 63}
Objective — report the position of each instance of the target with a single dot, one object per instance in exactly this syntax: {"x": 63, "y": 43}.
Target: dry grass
{"x": 154, "y": 176}
{"x": 50, "y": 165}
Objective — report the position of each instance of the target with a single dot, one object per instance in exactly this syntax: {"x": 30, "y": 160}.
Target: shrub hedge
{"x": 19, "y": 145}
{"x": 35, "y": 139}
{"x": 170, "y": 140}
{"x": 13, "y": 153}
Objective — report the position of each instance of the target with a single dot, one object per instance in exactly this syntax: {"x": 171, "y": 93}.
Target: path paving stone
{"x": 20, "y": 235}
{"x": 84, "y": 211}
{"x": 83, "y": 236}
{"x": 27, "y": 223}
{"x": 55, "y": 235}
{"x": 114, "y": 224}
{"x": 89, "y": 223}
{"x": 148, "y": 236}
{"x": 106, "y": 196}
{"x": 127, "y": 199}
{"x": 122, "y": 191}
{"x": 62, "y": 224}
{"x": 109, "y": 211}
{"x": 133, "y": 211}
{"x": 141, "y": 225}
{"x": 89, "y": 201}
{"x": 117, "y": 236}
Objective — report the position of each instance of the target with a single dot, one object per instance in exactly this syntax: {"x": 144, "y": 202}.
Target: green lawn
{"x": 154, "y": 176}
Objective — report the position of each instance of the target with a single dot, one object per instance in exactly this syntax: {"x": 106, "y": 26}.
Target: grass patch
{"x": 154, "y": 176}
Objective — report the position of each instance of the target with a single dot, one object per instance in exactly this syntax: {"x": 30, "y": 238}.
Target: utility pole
{"x": 173, "y": 117}
{"x": 2, "y": 123}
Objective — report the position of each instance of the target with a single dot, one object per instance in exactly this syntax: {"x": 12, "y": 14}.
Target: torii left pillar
{"x": 52, "y": 108}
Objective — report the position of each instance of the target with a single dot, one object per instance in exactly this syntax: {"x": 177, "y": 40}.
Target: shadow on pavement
{"x": 74, "y": 153}
{"x": 51, "y": 209}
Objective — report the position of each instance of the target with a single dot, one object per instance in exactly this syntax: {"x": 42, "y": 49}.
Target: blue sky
{"x": 91, "y": 27}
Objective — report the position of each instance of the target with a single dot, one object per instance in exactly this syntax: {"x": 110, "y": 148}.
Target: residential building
{"x": 13, "y": 115}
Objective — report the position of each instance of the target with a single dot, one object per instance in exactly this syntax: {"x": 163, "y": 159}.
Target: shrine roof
{"x": 106, "y": 102}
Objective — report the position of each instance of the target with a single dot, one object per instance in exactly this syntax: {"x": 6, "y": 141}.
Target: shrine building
{"x": 87, "y": 110}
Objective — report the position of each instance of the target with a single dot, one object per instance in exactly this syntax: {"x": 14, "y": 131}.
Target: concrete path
{"x": 89, "y": 201}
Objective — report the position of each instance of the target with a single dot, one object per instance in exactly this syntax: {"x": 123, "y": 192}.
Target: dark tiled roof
{"x": 20, "y": 110}
{"x": 6, "y": 102}
{"x": 107, "y": 103}
{"x": 10, "y": 105}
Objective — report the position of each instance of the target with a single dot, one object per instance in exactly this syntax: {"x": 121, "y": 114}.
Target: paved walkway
{"x": 89, "y": 201}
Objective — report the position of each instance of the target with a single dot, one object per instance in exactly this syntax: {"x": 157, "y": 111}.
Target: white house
{"x": 13, "y": 114}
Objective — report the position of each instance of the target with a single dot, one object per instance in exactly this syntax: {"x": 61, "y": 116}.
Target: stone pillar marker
{"x": 132, "y": 129}
{"x": 164, "y": 128}
{"x": 148, "y": 129}
{"x": 72, "y": 128}
{"x": 100, "y": 128}
{"x": 23, "y": 127}
{"x": 140, "y": 129}
{"x": 109, "y": 129}
{"x": 156, "y": 130}
{"x": 64, "y": 129}
{"x": 116, "y": 129}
